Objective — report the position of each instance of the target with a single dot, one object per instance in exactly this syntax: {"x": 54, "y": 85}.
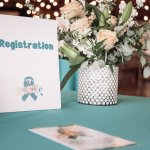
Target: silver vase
{"x": 98, "y": 87}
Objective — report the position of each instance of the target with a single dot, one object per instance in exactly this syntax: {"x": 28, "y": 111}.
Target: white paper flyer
{"x": 81, "y": 138}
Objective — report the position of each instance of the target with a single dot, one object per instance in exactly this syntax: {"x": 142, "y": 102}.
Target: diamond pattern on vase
{"x": 98, "y": 87}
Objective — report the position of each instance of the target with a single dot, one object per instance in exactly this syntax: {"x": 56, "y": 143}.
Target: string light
{"x": 51, "y": 1}
{"x": 56, "y": 14}
{"x": 37, "y": 9}
{"x": 47, "y": 16}
{"x": 146, "y": 18}
{"x": 146, "y": 7}
{"x": 6, "y": 1}
{"x": 42, "y": 4}
{"x": 39, "y": 1}
{"x": 28, "y": 12}
{"x": 48, "y": 6}
{"x": 1, "y": 4}
{"x": 18, "y": 5}
{"x": 55, "y": 4}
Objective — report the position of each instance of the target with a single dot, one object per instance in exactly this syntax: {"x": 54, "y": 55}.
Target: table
{"x": 129, "y": 119}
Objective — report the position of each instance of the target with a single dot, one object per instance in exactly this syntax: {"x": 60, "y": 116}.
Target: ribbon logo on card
{"x": 30, "y": 89}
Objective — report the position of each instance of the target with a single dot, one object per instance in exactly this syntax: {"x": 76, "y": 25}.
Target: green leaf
{"x": 111, "y": 57}
{"x": 146, "y": 26}
{"x": 130, "y": 33}
{"x": 73, "y": 54}
{"x": 100, "y": 19}
{"x": 105, "y": 56}
{"x": 68, "y": 75}
{"x": 106, "y": 13}
{"x": 70, "y": 53}
{"x": 127, "y": 13}
{"x": 99, "y": 44}
{"x": 79, "y": 59}
{"x": 127, "y": 51}
{"x": 111, "y": 68}
{"x": 99, "y": 47}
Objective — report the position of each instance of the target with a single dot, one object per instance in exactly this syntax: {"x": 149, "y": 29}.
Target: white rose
{"x": 110, "y": 38}
{"x": 112, "y": 20}
{"x": 80, "y": 24}
{"x": 63, "y": 24}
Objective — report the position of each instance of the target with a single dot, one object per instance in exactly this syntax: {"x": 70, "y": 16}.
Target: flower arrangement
{"x": 91, "y": 36}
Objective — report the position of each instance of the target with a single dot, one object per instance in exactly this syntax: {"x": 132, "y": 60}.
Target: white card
{"x": 29, "y": 74}
{"x": 81, "y": 138}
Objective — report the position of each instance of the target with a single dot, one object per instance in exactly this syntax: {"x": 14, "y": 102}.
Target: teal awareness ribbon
{"x": 29, "y": 81}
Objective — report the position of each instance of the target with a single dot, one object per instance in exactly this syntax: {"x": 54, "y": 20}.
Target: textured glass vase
{"x": 98, "y": 87}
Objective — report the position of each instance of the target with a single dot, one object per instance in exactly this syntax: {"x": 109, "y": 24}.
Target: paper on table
{"x": 78, "y": 137}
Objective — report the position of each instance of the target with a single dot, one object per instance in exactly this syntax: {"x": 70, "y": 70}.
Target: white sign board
{"x": 29, "y": 75}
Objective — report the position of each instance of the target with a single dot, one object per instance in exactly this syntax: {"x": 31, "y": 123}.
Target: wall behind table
{"x": 72, "y": 83}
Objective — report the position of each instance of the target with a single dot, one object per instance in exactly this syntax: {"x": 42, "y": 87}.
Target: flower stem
{"x": 68, "y": 75}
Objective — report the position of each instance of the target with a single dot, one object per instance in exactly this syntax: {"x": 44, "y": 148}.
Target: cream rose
{"x": 112, "y": 20}
{"x": 109, "y": 37}
{"x": 72, "y": 9}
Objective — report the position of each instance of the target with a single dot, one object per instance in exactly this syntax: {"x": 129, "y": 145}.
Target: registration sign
{"x": 29, "y": 75}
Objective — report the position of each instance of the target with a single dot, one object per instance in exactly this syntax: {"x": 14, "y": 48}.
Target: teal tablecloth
{"x": 130, "y": 119}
